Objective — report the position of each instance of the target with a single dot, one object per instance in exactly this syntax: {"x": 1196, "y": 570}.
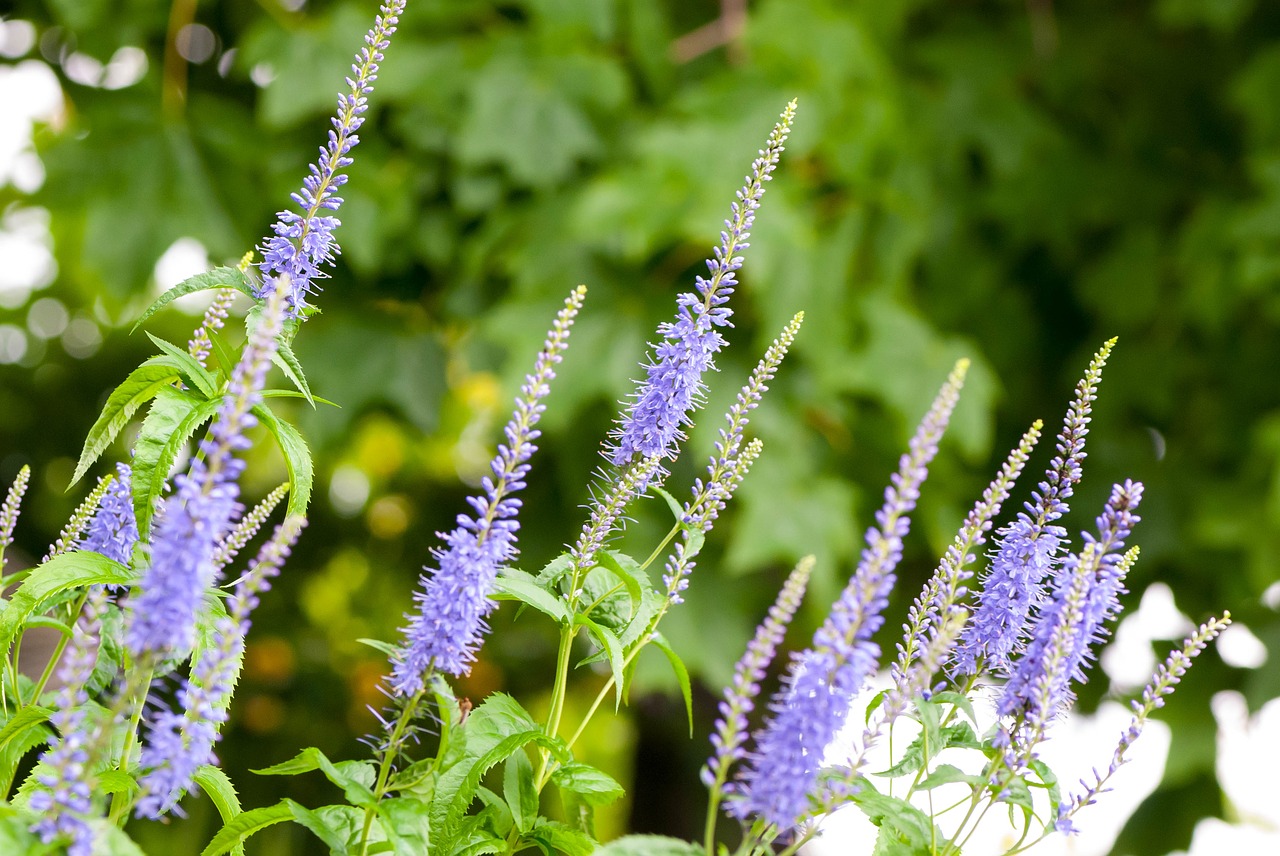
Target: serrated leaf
{"x": 323, "y": 824}
{"x": 219, "y": 277}
{"x": 612, "y": 648}
{"x": 193, "y": 374}
{"x": 235, "y": 831}
{"x": 682, "y": 674}
{"x": 116, "y": 782}
{"x": 297, "y": 459}
{"x": 142, "y": 384}
{"x": 945, "y": 774}
{"x": 407, "y": 825}
{"x": 25, "y": 730}
{"x": 555, "y": 837}
{"x": 354, "y": 777}
{"x": 906, "y": 829}
{"x": 214, "y": 782}
{"x": 648, "y": 845}
{"x": 495, "y": 729}
{"x": 500, "y": 820}
{"x": 959, "y": 700}
{"x": 61, "y": 573}
{"x": 514, "y": 584}
{"x": 172, "y": 419}
{"x": 519, "y": 790}
{"x": 595, "y": 788}
{"x": 285, "y": 358}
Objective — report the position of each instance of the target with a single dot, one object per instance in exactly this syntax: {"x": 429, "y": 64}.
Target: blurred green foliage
{"x": 1009, "y": 181}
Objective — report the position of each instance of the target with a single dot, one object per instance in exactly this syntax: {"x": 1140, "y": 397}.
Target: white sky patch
{"x": 185, "y": 258}
{"x": 1248, "y": 755}
{"x": 1238, "y": 647}
{"x": 1130, "y": 659}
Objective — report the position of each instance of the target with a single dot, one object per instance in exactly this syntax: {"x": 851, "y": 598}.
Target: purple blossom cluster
{"x": 179, "y": 743}
{"x": 303, "y": 243}
{"x": 65, "y": 795}
{"x": 1028, "y": 548}
{"x": 449, "y": 626}
{"x": 203, "y": 508}
{"x": 673, "y": 385}
{"x": 780, "y": 777}
{"x": 113, "y": 530}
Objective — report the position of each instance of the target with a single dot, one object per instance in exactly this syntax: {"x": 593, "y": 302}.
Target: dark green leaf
{"x": 593, "y": 786}
{"x": 613, "y": 648}
{"x": 407, "y": 825}
{"x": 288, "y": 363}
{"x": 649, "y": 845}
{"x": 354, "y": 777}
{"x": 555, "y": 837}
{"x": 193, "y": 374}
{"x": 214, "y": 782}
{"x": 513, "y": 584}
{"x": 682, "y": 674}
{"x": 677, "y": 510}
{"x": 174, "y": 416}
{"x": 297, "y": 458}
{"x": 234, "y": 832}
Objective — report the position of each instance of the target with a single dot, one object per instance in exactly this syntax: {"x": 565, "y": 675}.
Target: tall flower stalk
{"x": 673, "y": 385}
{"x": 303, "y": 243}
{"x": 781, "y": 779}
{"x": 449, "y": 625}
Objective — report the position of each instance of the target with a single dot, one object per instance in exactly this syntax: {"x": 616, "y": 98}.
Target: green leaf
{"x": 1049, "y": 781}
{"x": 500, "y": 821}
{"x": 142, "y": 384}
{"x": 495, "y": 729}
{"x": 608, "y": 643}
{"x": 235, "y": 831}
{"x": 682, "y": 674}
{"x": 593, "y": 786}
{"x": 292, "y": 368}
{"x": 648, "y": 845}
{"x": 297, "y": 458}
{"x": 171, "y": 421}
{"x": 520, "y": 792}
{"x": 677, "y": 510}
{"x": 407, "y": 824}
{"x": 331, "y": 824}
{"x": 24, "y": 731}
{"x": 63, "y": 572}
{"x": 193, "y": 374}
{"x": 959, "y": 700}
{"x": 874, "y": 705}
{"x": 219, "y": 277}
{"x": 116, "y": 782}
{"x": 554, "y": 571}
{"x": 514, "y": 584}
{"x": 378, "y": 645}
{"x": 555, "y": 837}
{"x": 629, "y": 572}
{"x": 905, "y": 829}
{"x": 945, "y": 774}
{"x": 356, "y": 778}
{"x": 214, "y": 782}
{"x": 291, "y": 393}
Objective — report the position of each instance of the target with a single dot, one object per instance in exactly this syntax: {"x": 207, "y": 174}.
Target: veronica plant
{"x": 152, "y": 612}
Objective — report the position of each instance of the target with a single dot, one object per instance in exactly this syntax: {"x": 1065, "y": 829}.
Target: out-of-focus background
{"x": 1010, "y": 181}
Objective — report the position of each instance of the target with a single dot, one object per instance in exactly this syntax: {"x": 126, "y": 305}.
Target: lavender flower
{"x": 1027, "y": 551}
{"x": 178, "y": 744}
{"x": 739, "y": 697}
{"x": 449, "y": 625}
{"x": 1086, "y": 596}
{"x": 203, "y": 508}
{"x": 946, "y": 587}
{"x": 113, "y": 531}
{"x": 65, "y": 794}
{"x": 823, "y": 680}
{"x": 1162, "y": 684}
{"x": 304, "y": 242}
{"x": 730, "y": 462}
{"x": 673, "y": 386}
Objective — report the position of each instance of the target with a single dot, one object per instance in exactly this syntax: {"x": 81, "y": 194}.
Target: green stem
{"x": 61, "y": 646}
{"x": 558, "y": 692}
{"x": 388, "y": 759}
{"x": 661, "y": 548}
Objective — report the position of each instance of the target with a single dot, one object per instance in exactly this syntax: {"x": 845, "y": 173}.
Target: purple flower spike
{"x": 673, "y": 387}
{"x": 203, "y": 508}
{"x": 449, "y": 626}
{"x": 113, "y": 531}
{"x": 1085, "y": 598}
{"x": 739, "y": 697}
{"x": 179, "y": 744}
{"x": 303, "y": 243}
{"x": 1162, "y": 684}
{"x": 65, "y": 796}
{"x": 781, "y": 781}
{"x": 1027, "y": 549}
